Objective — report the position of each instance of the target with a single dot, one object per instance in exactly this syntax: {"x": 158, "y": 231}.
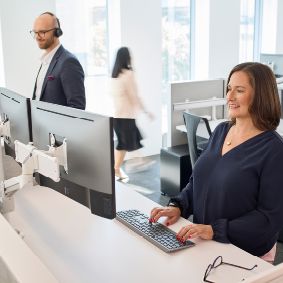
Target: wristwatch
{"x": 176, "y": 204}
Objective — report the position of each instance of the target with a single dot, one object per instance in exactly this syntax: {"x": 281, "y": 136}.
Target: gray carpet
{"x": 147, "y": 183}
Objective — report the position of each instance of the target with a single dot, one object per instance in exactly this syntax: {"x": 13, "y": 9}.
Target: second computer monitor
{"x": 89, "y": 175}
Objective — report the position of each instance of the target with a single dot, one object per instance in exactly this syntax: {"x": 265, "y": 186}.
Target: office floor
{"x": 147, "y": 183}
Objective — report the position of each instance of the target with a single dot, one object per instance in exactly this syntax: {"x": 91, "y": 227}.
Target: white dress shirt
{"x": 45, "y": 62}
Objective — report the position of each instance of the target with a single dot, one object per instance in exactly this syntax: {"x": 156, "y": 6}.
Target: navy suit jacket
{"x": 66, "y": 86}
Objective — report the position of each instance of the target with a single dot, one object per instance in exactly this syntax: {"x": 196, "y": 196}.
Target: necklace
{"x": 231, "y": 140}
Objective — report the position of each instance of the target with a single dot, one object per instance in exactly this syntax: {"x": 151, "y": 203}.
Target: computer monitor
{"x": 15, "y": 108}
{"x": 276, "y": 59}
{"x": 89, "y": 176}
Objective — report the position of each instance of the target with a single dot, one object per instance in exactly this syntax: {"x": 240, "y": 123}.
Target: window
{"x": 176, "y": 44}
{"x": 84, "y": 25}
{"x": 2, "y": 77}
{"x": 269, "y": 24}
{"x": 247, "y": 26}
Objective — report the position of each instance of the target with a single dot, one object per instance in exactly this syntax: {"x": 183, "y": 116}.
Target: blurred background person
{"x": 127, "y": 106}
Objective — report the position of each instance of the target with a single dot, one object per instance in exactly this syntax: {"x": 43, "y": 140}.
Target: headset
{"x": 57, "y": 32}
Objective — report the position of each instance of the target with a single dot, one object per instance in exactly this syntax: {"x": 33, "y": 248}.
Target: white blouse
{"x": 123, "y": 90}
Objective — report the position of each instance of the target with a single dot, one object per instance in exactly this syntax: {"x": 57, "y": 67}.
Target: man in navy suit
{"x": 60, "y": 79}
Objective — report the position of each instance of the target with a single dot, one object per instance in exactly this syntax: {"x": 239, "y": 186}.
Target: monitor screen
{"x": 88, "y": 176}
{"x": 15, "y": 108}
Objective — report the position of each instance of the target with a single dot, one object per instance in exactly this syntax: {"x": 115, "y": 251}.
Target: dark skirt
{"x": 128, "y": 134}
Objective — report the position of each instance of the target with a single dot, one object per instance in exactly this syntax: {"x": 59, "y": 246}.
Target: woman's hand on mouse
{"x": 173, "y": 214}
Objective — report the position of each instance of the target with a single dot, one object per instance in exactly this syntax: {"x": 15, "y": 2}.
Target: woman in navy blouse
{"x": 236, "y": 190}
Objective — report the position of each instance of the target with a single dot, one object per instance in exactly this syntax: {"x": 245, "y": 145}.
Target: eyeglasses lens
{"x": 40, "y": 33}
{"x": 217, "y": 262}
{"x": 207, "y": 271}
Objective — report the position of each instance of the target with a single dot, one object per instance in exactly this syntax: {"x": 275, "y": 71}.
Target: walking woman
{"x": 127, "y": 106}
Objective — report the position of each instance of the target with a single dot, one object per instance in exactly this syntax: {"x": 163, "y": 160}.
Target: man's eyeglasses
{"x": 41, "y": 33}
{"x": 217, "y": 262}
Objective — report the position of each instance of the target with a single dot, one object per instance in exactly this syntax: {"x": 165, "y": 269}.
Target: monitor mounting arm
{"x": 59, "y": 151}
{"x": 33, "y": 160}
{"x": 5, "y": 128}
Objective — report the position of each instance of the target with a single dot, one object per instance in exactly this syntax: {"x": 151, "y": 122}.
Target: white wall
{"x": 224, "y": 35}
{"x": 20, "y": 51}
{"x": 141, "y": 32}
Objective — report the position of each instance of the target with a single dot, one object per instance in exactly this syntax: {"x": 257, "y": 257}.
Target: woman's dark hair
{"x": 265, "y": 108}
{"x": 123, "y": 59}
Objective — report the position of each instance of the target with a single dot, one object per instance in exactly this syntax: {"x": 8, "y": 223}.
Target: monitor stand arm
{"x": 7, "y": 190}
{"x": 59, "y": 151}
{"x": 36, "y": 161}
{"x": 5, "y": 128}
{"x": 9, "y": 187}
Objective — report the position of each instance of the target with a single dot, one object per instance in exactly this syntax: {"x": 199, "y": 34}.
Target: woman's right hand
{"x": 173, "y": 213}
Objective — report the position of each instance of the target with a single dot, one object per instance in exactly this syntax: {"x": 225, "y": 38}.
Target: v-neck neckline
{"x": 224, "y": 137}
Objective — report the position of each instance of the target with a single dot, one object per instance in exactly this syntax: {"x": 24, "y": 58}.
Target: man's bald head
{"x": 48, "y": 20}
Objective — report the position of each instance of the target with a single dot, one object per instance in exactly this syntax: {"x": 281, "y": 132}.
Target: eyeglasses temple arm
{"x": 239, "y": 266}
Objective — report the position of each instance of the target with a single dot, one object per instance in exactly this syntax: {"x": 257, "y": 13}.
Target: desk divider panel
{"x": 178, "y": 92}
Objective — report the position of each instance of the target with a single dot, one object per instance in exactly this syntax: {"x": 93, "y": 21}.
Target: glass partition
{"x": 247, "y": 27}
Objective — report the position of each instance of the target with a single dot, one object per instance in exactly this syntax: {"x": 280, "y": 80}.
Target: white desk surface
{"x": 17, "y": 262}
{"x": 77, "y": 246}
{"x": 202, "y": 131}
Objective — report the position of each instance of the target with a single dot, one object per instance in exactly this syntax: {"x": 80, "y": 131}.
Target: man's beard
{"x": 47, "y": 43}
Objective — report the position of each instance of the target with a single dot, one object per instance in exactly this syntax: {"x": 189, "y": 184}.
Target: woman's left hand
{"x": 195, "y": 230}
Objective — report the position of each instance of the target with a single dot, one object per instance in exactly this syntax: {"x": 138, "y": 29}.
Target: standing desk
{"x": 77, "y": 246}
{"x": 18, "y": 264}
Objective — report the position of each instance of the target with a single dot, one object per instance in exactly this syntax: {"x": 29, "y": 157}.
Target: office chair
{"x": 195, "y": 148}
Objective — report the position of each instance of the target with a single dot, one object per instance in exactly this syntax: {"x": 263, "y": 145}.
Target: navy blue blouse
{"x": 240, "y": 194}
